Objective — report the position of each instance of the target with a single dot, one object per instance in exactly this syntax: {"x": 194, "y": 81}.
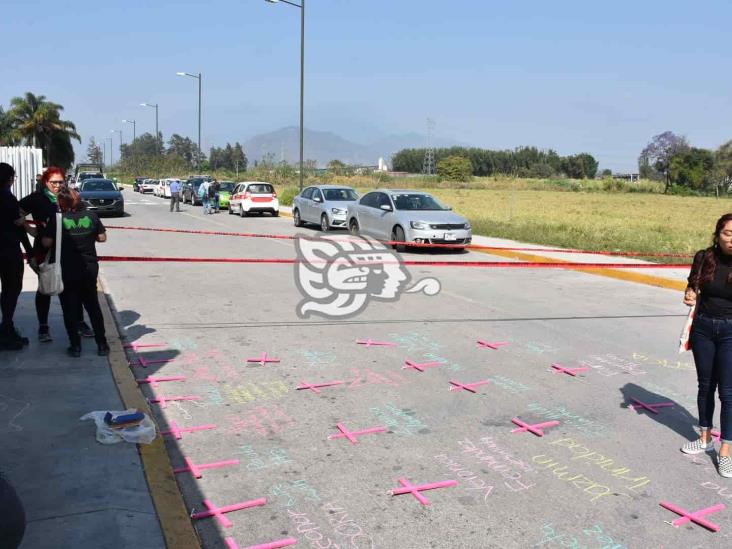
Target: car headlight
{"x": 467, "y": 226}
{"x": 338, "y": 211}
{"x": 419, "y": 225}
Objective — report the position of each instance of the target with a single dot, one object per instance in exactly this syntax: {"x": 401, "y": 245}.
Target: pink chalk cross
{"x": 535, "y": 429}
{"x": 420, "y": 366}
{"x": 372, "y": 343}
{"x": 178, "y": 433}
{"x": 315, "y": 386}
{"x": 154, "y": 381}
{"x": 351, "y": 435}
{"x": 650, "y": 407}
{"x": 195, "y": 470}
{"x": 163, "y": 400}
{"x": 231, "y": 544}
{"x": 219, "y": 512}
{"x": 262, "y": 360}
{"x": 491, "y": 345}
{"x": 559, "y": 369}
{"x": 135, "y": 346}
{"x": 716, "y": 436}
{"x": 415, "y": 490}
{"x": 457, "y": 386}
{"x": 696, "y": 516}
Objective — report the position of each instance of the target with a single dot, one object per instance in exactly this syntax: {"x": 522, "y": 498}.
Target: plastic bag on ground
{"x": 144, "y": 433}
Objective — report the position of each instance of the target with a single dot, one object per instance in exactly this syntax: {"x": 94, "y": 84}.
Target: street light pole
{"x": 301, "y": 5}
{"x": 200, "y": 78}
{"x": 111, "y": 154}
{"x": 157, "y": 132}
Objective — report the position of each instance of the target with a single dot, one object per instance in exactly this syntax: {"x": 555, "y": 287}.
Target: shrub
{"x": 455, "y": 168}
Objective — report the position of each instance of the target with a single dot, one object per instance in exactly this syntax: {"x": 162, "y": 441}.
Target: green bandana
{"x": 50, "y": 195}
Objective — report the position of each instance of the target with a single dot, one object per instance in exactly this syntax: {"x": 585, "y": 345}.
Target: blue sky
{"x": 574, "y": 76}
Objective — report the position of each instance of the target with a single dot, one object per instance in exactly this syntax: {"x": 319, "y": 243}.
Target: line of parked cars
{"x": 395, "y": 215}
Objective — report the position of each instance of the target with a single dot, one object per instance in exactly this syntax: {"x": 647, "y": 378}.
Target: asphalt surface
{"x": 595, "y": 480}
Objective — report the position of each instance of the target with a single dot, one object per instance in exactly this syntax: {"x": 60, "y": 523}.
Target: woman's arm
{"x": 47, "y": 241}
{"x": 102, "y": 237}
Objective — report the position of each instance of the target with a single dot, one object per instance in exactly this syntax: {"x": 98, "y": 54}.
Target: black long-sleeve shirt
{"x": 715, "y": 297}
{"x": 11, "y": 236}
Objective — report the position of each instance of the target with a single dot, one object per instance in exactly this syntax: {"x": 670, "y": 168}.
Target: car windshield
{"x": 226, "y": 187}
{"x": 84, "y": 176}
{"x": 260, "y": 189}
{"x": 340, "y": 195}
{"x": 413, "y": 201}
{"x": 98, "y": 185}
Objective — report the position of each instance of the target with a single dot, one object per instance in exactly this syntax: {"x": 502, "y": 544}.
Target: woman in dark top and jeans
{"x": 42, "y": 205}
{"x": 80, "y": 232}
{"x": 710, "y": 283}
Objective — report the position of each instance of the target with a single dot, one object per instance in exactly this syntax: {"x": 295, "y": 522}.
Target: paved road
{"x": 594, "y": 481}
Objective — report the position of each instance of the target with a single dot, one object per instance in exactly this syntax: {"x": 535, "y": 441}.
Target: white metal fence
{"x": 27, "y": 161}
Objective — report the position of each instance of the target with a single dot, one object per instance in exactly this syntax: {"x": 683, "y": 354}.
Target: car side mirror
{"x": 385, "y": 207}
{"x": 317, "y": 199}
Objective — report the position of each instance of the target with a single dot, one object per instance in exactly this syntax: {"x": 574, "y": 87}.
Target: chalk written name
{"x": 276, "y": 457}
{"x": 415, "y": 341}
{"x": 244, "y": 393}
{"x": 318, "y": 358}
{"x": 369, "y": 377}
{"x": 663, "y": 363}
{"x": 612, "y": 365}
{"x": 594, "y": 490}
{"x": 400, "y": 422}
{"x": 588, "y": 427}
{"x": 347, "y": 532}
{"x": 498, "y": 460}
{"x": 261, "y": 421}
{"x": 509, "y": 385}
{"x": 591, "y": 538}
{"x": 449, "y": 365}
{"x": 294, "y": 492}
{"x": 468, "y": 479}
{"x": 581, "y": 452}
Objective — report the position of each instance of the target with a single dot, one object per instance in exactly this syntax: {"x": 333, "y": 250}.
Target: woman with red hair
{"x": 80, "y": 231}
{"x": 42, "y": 205}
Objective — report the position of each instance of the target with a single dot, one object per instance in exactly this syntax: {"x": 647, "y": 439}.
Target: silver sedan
{"x": 407, "y": 216}
{"x": 324, "y": 205}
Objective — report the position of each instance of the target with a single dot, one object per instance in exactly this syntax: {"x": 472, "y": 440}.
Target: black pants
{"x": 11, "y": 283}
{"x": 43, "y": 306}
{"x": 12, "y": 523}
{"x": 78, "y": 292}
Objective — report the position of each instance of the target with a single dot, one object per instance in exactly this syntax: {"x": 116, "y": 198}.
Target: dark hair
{"x": 712, "y": 256}
{"x": 68, "y": 199}
{"x": 7, "y": 172}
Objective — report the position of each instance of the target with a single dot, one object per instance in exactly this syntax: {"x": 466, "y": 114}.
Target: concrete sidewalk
{"x": 76, "y": 492}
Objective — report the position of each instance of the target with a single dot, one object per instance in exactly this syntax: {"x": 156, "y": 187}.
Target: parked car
{"x": 325, "y": 205}
{"x": 102, "y": 196}
{"x": 190, "y": 190}
{"x": 148, "y": 186}
{"x": 137, "y": 183}
{"x": 163, "y": 188}
{"x": 225, "y": 188}
{"x": 254, "y": 197}
{"x": 407, "y": 216}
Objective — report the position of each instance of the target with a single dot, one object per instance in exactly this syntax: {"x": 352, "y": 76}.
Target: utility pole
{"x": 428, "y": 165}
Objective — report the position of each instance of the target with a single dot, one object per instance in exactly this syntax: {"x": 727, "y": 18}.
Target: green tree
{"x": 8, "y": 135}
{"x": 94, "y": 152}
{"x": 239, "y": 158}
{"x": 39, "y": 123}
{"x": 455, "y": 168}
{"x": 183, "y": 148}
{"x": 655, "y": 159}
{"x": 336, "y": 167}
{"x": 692, "y": 168}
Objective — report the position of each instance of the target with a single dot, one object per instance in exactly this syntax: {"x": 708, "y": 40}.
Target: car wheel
{"x": 276, "y": 214}
{"x": 241, "y": 211}
{"x": 296, "y": 218}
{"x": 398, "y": 236}
{"x": 230, "y": 210}
{"x": 324, "y": 226}
{"x": 353, "y": 227}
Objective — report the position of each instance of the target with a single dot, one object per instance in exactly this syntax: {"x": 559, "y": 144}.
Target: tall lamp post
{"x": 111, "y": 155}
{"x": 198, "y": 76}
{"x": 301, "y": 5}
{"x": 134, "y": 136}
{"x": 157, "y": 133}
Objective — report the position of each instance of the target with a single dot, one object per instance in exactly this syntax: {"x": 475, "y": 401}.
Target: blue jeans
{"x": 206, "y": 204}
{"x": 711, "y": 344}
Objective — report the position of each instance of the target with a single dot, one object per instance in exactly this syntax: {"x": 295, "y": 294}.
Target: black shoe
{"x": 10, "y": 344}
{"x": 11, "y": 336}
{"x": 85, "y": 330}
{"x": 44, "y": 335}
{"x": 103, "y": 349}
{"x": 74, "y": 352}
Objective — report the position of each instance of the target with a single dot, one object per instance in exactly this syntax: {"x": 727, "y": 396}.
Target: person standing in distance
{"x": 175, "y": 195}
{"x": 81, "y": 230}
{"x": 710, "y": 291}
{"x": 203, "y": 194}
{"x": 12, "y": 234}
{"x": 215, "y": 187}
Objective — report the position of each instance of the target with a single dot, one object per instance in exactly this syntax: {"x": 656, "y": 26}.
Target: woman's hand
{"x": 690, "y": 297}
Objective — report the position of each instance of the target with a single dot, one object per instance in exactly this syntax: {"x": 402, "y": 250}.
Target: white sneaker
{"x": 698, "y": 446}
{"x": 725, "y": 466}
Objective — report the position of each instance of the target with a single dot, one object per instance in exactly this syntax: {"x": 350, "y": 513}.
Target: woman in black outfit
{"x": 710, "y": 283}
{"x": 12, "y": 234}
{"x": 80, "y": 231}
{"x": 42, "y": 205}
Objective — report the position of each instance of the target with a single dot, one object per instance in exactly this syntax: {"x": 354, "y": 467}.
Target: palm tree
{"x": 8, "y": 135}
{"x": 39, "y": 122}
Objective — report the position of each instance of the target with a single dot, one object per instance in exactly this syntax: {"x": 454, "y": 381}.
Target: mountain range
{"x": 323, "y": 146}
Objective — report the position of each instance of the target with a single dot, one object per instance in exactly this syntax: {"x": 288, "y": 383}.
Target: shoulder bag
{"x": 50, "y": 281}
